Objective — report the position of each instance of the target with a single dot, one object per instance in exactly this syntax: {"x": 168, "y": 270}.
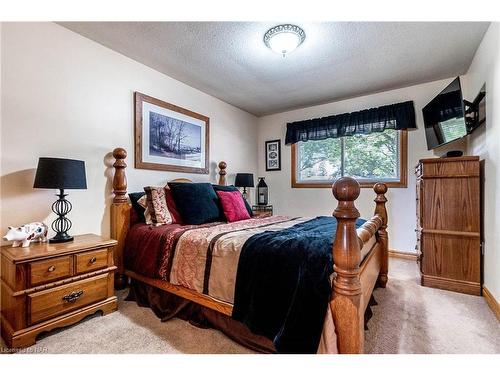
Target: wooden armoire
{"x": 449, "y": 222}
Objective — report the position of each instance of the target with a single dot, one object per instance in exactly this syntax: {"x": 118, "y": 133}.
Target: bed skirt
{"x": 166, "y": 306}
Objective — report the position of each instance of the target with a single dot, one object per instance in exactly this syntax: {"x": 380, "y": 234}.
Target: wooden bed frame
{"x": 353, "y": 281}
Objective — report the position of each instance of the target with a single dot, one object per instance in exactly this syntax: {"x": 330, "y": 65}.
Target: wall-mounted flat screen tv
{"x": 444, "y": 116}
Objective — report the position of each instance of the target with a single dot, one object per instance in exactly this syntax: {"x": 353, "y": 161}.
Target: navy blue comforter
{"x": 283, "y": 286}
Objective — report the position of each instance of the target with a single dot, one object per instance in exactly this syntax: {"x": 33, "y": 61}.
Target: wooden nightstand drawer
{"x": 261, "y": 214}
{"x": 260, "y": 211}
{"x": 56, "y": 301}
{"x": 49, "y": 270}
{"x": 91, "y": 260}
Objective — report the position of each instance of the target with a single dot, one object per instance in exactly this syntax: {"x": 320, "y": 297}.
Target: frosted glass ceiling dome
{"x": 284, "y": 39}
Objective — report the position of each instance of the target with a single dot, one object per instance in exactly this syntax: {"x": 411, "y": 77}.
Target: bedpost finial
{"x": 119, "y": 153}
{"x": 119, "y": 179}
{"x": 346, "y": 189}
{"x": 222, "y": 173}
{"x": 380, "y": 200}
{"x": 222, "y": 167}
{"x": 380, "y": 188}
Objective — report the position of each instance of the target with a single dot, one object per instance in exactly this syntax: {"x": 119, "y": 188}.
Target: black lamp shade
{"x": 244, "y": 180}
{"x": 56, "y": 173}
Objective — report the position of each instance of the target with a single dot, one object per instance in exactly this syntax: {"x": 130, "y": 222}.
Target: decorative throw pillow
{"x": 157, "y": 205}
{"x": 172, "y": 208}
{"x": 143, "y": 202}
{"x": 138, "y": 208}
{"x": 232, "y": 188}
{"x": 233, "y": 205}
{"x": 196, "y": 202}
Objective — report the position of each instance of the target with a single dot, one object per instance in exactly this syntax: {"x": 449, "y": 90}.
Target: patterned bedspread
{"x": 206, "y": 259}
{"x": 179, "y": 253}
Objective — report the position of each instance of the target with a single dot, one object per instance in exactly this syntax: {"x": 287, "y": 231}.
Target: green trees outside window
{"x": 371, "y": 157}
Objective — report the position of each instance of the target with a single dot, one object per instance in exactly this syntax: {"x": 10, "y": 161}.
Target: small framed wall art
{"x": 273, "y": 155}
{"x": 169, "y": 138}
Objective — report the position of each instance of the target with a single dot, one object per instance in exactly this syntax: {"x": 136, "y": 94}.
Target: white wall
{"x": 320, "y": 201}
{"x": 485, "y": 142}
{"x": 66, "y": 96}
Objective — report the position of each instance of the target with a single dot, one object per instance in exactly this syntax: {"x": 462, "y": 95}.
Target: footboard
{"x": 354, "y": 280}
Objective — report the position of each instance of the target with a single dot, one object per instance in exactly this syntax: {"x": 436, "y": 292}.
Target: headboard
{"x": 120, "y": 209}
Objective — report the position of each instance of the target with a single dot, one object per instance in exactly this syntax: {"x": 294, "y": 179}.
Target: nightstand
{"x": 51, "y": 285}
{"x": 262, "y": 211}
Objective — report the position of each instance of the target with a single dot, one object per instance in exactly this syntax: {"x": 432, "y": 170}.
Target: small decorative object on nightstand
{"x": 27, "y": 233}
{"x": 262, "y": 192}
{"x": 55, "y": 173}
{"x": 47, "y": 286}
{"x": 262, "y": 210}
{"x": 244, "y": 180}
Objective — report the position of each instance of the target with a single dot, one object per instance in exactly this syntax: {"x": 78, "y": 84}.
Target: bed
{"x": 205, "y": 273}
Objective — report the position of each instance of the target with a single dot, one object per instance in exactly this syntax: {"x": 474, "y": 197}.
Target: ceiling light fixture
{"x": 284, "y": 39}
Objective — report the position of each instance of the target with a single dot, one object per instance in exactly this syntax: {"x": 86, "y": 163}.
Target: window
{"x": 370, "y": 158}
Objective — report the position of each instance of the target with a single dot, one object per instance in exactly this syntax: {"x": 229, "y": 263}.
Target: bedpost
{"x": 120, "y": 214}
{"x": 346, "y": 302}
{"x": 380, "y": 209}
{"x": 222, "y": 173}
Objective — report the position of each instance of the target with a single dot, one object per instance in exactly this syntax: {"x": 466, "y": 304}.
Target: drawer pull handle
{"x": 73, "y": 296}
{"x": 52, "y": 268}
{"x": 92, "y": 260}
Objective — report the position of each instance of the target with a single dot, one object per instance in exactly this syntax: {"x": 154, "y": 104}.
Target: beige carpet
{"x": 408, "y": 319}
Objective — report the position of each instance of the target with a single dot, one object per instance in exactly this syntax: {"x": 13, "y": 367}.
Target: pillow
{"x": 196, "y": 202}
{"x": 172, "y": 208}
{"x": 141, "y": 212}
{"x": 233, "y": 188}
{"x": 138, "y": 208}
{"x": 143, "y": 202}
{"x": 157, "y": 205}
{"x": 146, "y": 215}
{"x": 233, "y": 205}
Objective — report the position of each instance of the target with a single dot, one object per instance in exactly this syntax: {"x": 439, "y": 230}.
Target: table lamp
{"x": 244, "y": 180}
{"x": 56, "y": 173}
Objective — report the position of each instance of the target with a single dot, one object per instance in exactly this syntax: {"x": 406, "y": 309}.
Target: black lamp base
{"x": 61, "y": 237}
{"x": 245, "y": 194}
{"x": 62, "y": 224}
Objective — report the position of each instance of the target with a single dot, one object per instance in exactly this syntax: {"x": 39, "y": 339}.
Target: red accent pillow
{"x": 172, "y": 208}
{"x": 233, "y": 205}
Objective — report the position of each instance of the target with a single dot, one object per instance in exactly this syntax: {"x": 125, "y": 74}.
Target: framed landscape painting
{"x": 170, "y": 138}
{"x": 273, "y": 155}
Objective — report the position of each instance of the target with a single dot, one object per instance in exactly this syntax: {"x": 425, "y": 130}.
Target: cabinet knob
{"x": 92, "y": 260}
{"x": 51, "y": 268}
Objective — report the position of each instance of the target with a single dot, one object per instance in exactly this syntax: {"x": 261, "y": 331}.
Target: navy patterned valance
{"x": 397, "y": 116}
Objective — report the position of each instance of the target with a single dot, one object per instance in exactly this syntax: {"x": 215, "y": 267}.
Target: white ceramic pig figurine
{"x": 27, "y": 233}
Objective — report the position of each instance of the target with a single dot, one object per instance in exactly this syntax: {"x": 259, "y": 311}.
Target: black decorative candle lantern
{"x": 262, "y": 192}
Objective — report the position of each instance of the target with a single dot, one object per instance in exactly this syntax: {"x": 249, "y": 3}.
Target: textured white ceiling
{"x": 337, "y": 60}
